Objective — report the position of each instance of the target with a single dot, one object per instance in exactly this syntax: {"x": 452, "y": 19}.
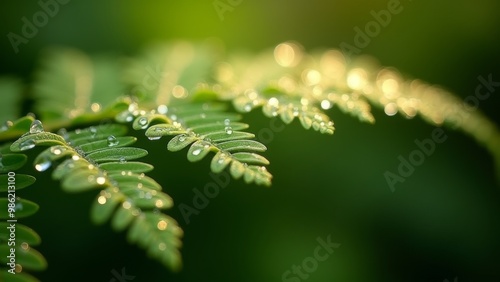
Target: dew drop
{"x": 43, "y": 164}
{"x": 203, "y": 115}
{"x": 143, "y": 122}
{"x": 295, "y": 111}
{"x": 19, "y": 206}
{"x": 56, "y": 150}
{"x": 222, "y": 158}
{"x": 122, "y": 160}
{"x": 229, "y": 130}
{"x": 93, "y": 131}
{"x": 36, "y": 127}
{"x": 247, "y": 107}
{"x": 173, "y": 117}
{"x": 227, "y": 122}
{"x": 197, "y": 152}
{"x": 125, "y": 116}
{"x": 112, "y": 141}
{"x": 6, "y": 125}
{"x": 154, "y": 137}
{"x": 26, "y": 145}
{"x": 182, "y": 138}
{"x": 64, "y": 133}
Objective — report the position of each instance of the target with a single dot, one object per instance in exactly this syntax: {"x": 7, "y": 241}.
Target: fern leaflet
{"x": 98, "y": 158}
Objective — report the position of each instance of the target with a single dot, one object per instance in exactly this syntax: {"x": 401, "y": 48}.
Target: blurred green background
{"x": 441, "y": 223}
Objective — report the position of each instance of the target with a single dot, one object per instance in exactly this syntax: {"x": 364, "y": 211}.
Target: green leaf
{"x": 70, "y": 81}
{"x": 209, "y": 117}
{"x": 119, "y": 167}
{"x": 94, "y": 133}
{"x": 157, "y": 131}
{"x": 18, "y": 277}
{"x": 221, "y": 136}
{"x": 26, "y": 256}
{"x": 15, "y": 129}
{"x": 21, "y": 181}
{"x": 17, "y": 207}
{"x": 242, "y": 145}
{"x": 124, "y": 216}
{"x": 198, "y": 150}
{"x": 146, "y": 198}
{"x": 136, "y": 181}
{"x": 117, "y": 154}
{"x": 69, "y": 166}
{"x": 143, "y": 121}
{"x": 45, "y": 159}
{"x": 218, "y": 126}
{"x": 105, "y": 204}
{"x": 82, "y": 180}
{"x": 237, "y": 169}
{"x": 29, "y": 141}
{"x": 180, "y": 142}
{"x": 250, "y": 158}
{"x": 111, "y": 141}
{"x": 220, "y": 162}
{"x": 23, "y": 234}
{"x": 11, "y": 162}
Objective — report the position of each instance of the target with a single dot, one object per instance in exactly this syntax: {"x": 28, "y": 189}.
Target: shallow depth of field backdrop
{"x": 442, "y": 223}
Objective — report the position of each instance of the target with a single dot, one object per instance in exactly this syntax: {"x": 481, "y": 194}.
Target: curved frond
{"x": 165, "y": 72}
{"x": 99, "y": 157}
{"x": 72, "y": 85}
{"x": 25, "y": 256}
{"x": 205, "y": 128}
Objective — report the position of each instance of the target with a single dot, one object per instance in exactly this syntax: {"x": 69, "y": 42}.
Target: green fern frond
{"x": 98, "y": 157}
{"x": 25, "y": 258}
{"x": 72, "y": 84}
{"x": 204, "y": 127}
{"x": 291, "y": 83}
{"x": 166, "y": 72}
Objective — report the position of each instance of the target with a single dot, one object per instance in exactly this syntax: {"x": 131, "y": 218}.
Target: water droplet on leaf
{"x": 43, "y": 164}
{"x": 228, "y": 129}
{"x": 143, "y": 122}
{"x": 112, "y": 141}
{"x": 93, "y": 131}
{"x": 36, "y": 127}
{"x": 57, "y": 150}
{"x": 64, "y": 133}
{"x": 6, "y": 125}
{"x": 26, "y": 145}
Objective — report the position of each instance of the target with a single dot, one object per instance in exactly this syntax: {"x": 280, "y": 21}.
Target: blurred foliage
{"x": 441, "y": 223}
